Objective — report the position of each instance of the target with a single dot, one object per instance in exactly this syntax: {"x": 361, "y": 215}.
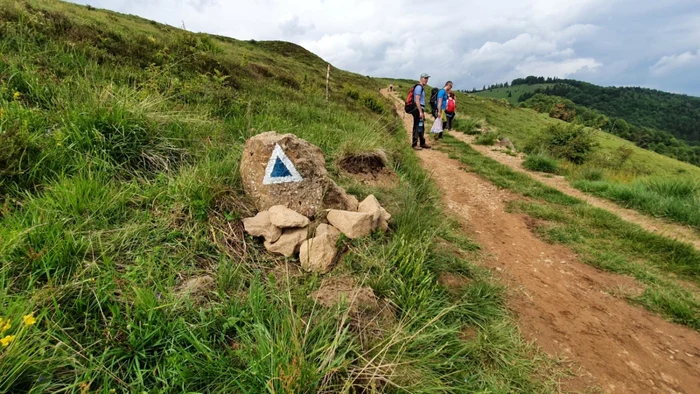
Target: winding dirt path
{"x": 563, "y": 304}
{"x": 667, "y": 229}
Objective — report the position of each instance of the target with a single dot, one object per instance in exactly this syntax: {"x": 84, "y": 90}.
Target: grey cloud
{"x": 293, "y": 28}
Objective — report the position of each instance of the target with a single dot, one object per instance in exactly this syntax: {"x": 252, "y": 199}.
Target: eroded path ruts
{"x": 564, "y": 305}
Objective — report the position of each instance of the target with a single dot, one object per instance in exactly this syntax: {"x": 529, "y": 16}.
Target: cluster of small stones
{"x": 287, "y": 232}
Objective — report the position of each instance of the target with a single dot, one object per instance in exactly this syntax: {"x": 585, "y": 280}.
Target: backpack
{"x": 433, "y": 101}
{"x": 451, "y": 104}
{"x": 410, "y": 100}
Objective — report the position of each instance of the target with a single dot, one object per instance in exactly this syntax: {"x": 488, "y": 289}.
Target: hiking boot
{"x": 425, "y": 146}
{"x": 417, "y": 147}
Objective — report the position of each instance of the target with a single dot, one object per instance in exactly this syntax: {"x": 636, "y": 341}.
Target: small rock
{"x": 371, "y": 205}
{"x": 385, "y": 215}
{"x": 260, "y": 226}
{"x": 352, "y": 224}
{"x": 196, "y": 287}
{"x": 317, "y": 254}
{"x": 328, "y": 229}
{"x": 506, "y": 143}
{"x": 284, "y": 217}
{"x": 289, "y": 241}
{"x": 383, "y": 225}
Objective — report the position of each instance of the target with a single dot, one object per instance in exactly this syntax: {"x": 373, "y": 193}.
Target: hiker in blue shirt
{"x": 442, "y": 97}
{"x": 419, "y": 113}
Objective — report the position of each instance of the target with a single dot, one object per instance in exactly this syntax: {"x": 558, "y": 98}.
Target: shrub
{"x": 541, "y": 163}
{"x": 373, "y": 104}
{"x": 352, "y": 93}
{"x": 592, "y": 174}
{"x": 574, "y": 143}
{"x": 468, "y": 126}
{"x": 488, "y": 138}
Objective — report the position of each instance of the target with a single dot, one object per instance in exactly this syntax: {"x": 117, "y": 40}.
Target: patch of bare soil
{"x": 369, "y": 168}
{"x": 661, "y": 227}
{"x": 563, "y": 304}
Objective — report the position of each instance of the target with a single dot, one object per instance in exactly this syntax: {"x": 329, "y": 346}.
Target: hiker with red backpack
{"x": 415, "y": 105}
{"x": 450, "y": 110}
{"x": 442, "y": 98}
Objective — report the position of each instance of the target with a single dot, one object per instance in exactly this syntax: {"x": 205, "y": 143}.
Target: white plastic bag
{"x": 437, "y": 126}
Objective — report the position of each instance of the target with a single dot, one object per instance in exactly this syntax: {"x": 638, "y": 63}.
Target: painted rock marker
{"x": 280, "y": 169}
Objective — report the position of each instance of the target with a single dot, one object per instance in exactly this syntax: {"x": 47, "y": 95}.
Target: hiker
{"x": 391, "y": 87}
{"x": 442, "y": 96}
{"x": 415, "y": 105}
{"x": 450, "y": 110}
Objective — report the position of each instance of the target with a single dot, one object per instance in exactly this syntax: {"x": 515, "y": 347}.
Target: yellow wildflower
{"x": 7, "y": 326}
{"x": 6, "y": 341}
{"x": 29, "y": 319}
{"x": 17, "y": 95}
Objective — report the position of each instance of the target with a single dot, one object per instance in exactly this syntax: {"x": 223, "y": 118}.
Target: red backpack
{"x": 451, "y": 105}
{"x": 410, "y": 101}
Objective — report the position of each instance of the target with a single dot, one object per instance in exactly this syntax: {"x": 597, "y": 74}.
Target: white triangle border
{"x": 279, "y": 153}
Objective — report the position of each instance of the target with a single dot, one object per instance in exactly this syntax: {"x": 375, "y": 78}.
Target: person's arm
{"x": 439, "y": 106}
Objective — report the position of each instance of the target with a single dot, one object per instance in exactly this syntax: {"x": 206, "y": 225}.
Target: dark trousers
{"x": 450, "y": 118}
{"x": 418, "y": 132}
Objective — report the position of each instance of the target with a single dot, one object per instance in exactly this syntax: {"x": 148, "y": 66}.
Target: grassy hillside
{"x": 120, "y": 189}
{"x": 515, "y": 92}
{"x": 677, "y": 114}
{"x": 617, "y": 170}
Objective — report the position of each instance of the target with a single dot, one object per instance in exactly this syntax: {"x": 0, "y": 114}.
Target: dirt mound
{"x": 369, "y": 168}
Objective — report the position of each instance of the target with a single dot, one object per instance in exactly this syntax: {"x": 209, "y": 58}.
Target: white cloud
{"x": 667, "y": 64}
{"x": 470, "y": 41}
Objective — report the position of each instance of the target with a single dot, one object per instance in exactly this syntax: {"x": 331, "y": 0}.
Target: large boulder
{"x": 317, "y": 254}
{"x": 289, "y": 241}
{"x": 261, "y": 226}
{"x": 284, "y": 217}
{"x": 352, "y": 224}
{"x": 297, "y": 178}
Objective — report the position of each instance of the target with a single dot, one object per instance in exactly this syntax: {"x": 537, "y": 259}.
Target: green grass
{"x": 541, "y": 163}
{"x": 120, "y": 183}
{"x": 674, "y": 199}
{"x": 515, "y": 91}
{"x": 601, "y": 238}
{"x": 620, "y": 161}
{"x": 488, "y": 138}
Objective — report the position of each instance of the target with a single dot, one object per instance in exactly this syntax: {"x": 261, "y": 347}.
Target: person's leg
{"x": 450, "y": 118}
{"x": 416, "y": 120}
{"x": 421, "y": 136}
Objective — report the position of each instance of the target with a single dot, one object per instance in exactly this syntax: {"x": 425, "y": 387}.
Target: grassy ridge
{"x": 601, "y": 238}
{"x": 120, "y": 187}
{"x": 515, "y": 92}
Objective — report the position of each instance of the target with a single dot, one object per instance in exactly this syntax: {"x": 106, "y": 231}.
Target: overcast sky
{"x": 646, "y": 43}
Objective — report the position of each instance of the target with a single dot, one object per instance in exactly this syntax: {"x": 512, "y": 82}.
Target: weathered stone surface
{"x": 385, "y": 215}
{"x": 506, "y": 143}
{"x": 315, "y": 191}
{"x": 284, "y": 217}
{"x": 260, "y": 226}
{"x": 328, "y": 229}
{"x": 289, "y": 241}
{"x": 371, "y": 205}
{"x": 317, "y": 254}
{"x": 337, "y": 198}
{"x": 352, "y": 224}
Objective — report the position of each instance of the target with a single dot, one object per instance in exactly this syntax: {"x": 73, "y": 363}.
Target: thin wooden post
{"x": 328, "y": 81}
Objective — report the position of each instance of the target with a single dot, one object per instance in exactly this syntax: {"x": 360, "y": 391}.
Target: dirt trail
{"x": 667, "y": 229}
{"x": 564, "y": 304}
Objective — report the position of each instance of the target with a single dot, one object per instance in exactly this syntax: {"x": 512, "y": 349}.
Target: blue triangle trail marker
{"x": 280, "y": 169}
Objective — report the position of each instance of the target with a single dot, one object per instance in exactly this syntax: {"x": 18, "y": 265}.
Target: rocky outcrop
{"x": 306, "y": 194}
